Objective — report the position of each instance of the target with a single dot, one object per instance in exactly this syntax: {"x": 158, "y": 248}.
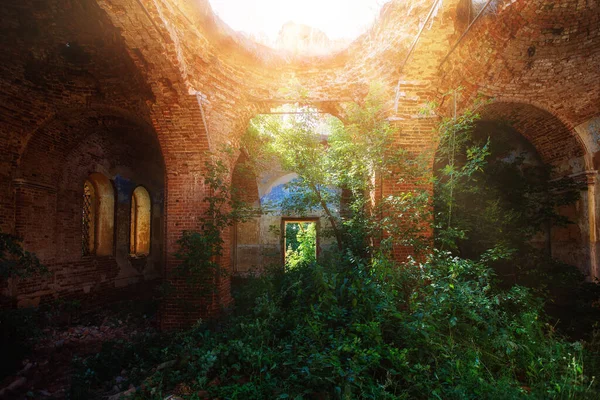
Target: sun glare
{"x": 262, "y": 20}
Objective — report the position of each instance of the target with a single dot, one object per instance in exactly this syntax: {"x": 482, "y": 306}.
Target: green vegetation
{"x": 343, "y": 328}
{"x": 348, "y": 158}
{"x": 357, "y": 324}
{"x": 301, "y": 244}
{"x": 17, "y": 327}
{"x": 199, "y": 250}
{"x": 490, "y": 195}
{"x": 16, "y": 262}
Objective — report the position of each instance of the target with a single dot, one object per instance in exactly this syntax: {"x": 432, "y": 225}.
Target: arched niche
{"x": 98, "y": 216}
{"x": 544, "y": 139}
{"x": 557, "y": 144}
{"x": 98, "y": 156}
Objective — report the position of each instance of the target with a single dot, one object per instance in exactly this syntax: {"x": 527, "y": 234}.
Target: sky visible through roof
{"x": 338, "y": 19}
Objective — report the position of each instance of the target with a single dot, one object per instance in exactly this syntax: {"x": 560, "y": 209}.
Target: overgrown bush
{"x": 16, "y": 262}
{"x": 493, "y": 192}
{"x": 99, "y": 373}
{"x": 359, "y": 325}
{"x": 349, "y": 329}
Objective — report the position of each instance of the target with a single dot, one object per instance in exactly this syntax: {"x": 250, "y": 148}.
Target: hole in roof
{"x": 306, "y": 27}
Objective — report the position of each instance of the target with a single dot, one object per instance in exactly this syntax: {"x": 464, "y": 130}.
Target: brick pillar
{"x": 185, "y": 210}
{"x": 181, "y": 131}
{"x": 415, "y": 134}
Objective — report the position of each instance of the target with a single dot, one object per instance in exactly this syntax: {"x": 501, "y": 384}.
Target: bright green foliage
{"x": 301, "y": 242}
{"x": 355, "y": 157}
{"x": 346, "y": 329}
{"x": 297, "y": 145}
{"x": 199, "y": 251}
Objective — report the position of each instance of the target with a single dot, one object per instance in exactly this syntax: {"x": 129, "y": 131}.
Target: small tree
{"x": 199, "y": 251}
{"x": 485, "y": 199}
{"x": 349, "y": 158}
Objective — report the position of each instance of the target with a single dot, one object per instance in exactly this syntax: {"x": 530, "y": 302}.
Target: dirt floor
{"x": 46, "y": 373}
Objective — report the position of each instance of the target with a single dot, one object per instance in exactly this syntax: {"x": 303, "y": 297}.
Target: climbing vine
{"x": 200, "y": 251}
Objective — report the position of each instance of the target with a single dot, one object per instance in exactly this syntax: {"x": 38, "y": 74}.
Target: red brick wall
{"x": 243, "y": 181}
{"x": 534, "y": 52}
{"x": 73, "y": 103}
{"x": 416, "y": 135}
{"x": 48, "y": 203}
{"x": 85, "y": 81}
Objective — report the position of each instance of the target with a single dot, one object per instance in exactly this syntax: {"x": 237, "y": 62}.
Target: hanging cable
{"x": 434, "y": 7}
{"x": 481, "y": 12}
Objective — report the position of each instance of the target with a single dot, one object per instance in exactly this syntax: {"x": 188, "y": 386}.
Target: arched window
{"x": 98, "y": 216}
{"x": 139, "y": 236}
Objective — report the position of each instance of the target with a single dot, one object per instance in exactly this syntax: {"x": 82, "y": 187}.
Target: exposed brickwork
{"x": 48, "y": 202}
{"x": 73, "y": 104}
{"x": 245, "y": 236}
{"x": 244, "y": 182}
{"x": 555, "y": 142}
{"x": 536, "y": 52}
{"x": 142, "y": 90}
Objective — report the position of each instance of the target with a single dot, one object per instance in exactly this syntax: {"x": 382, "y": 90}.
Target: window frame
{"x": 104, "y": 228}
{"x": 299, "y": 220}
{"x": 133, "y": 233}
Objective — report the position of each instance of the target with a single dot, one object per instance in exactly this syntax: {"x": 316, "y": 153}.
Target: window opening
{"x": 88, "y": 218}
{"x": 139, "y": 244}
{"x": 300, "y": 242}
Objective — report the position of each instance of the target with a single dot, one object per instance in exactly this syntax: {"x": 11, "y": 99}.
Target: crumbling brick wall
{"x": 74, "y": 104}
{"x": 85, "y": 82}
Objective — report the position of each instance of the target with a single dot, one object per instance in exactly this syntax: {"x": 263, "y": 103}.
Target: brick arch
{"x": 72, "y": 113}
{"x": 589, "y": 132}
{"x": 558, "y": 144}
{"x": 61, "y": 155}
{"x": 555, "y": 141}
{"x": 74, "y": 146}
{"x": 48, "y": 146}
{"x": 334, "y": 108}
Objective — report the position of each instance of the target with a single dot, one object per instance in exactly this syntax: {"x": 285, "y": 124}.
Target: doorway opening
{"x": 300, "y": 241}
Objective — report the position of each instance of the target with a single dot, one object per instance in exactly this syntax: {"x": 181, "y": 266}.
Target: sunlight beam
{"x": 262, "y": 20}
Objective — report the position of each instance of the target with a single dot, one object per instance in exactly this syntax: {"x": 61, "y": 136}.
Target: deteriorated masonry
{"x": 139, "y": 91}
